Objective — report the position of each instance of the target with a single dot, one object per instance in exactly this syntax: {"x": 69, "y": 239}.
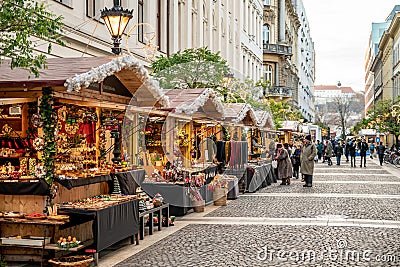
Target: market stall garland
{"x": 49, "y": 151}
{"x": 98, "y": 74}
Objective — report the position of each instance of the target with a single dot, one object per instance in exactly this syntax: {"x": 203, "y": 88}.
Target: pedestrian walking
{"x": 320, "y": 147}
{"x": 352, "y": 152}
{"x": 329, "y": 152}
{"x": 347, "y": 150}
{"x": 371, "y": 150}
{"x": 284, "y": 168}
{"x": 363, "y": 147}
{"x": 296, "y": 161}
{"x": 308, "y": 153}
{"x": 381, "y": 152}
{"x": 338, "y": 153}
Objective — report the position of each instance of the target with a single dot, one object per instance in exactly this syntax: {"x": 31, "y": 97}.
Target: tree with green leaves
{"x": 190, "y": 68}
{"x": 283, "y": 111}
{"x": 22, "y": 22}
{"x": 384, "y": 117}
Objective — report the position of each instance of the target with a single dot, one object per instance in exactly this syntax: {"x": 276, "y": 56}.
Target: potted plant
{"x": 219, "y": 185}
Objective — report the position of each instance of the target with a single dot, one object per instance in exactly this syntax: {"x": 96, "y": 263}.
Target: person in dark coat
{"x": 352, "y": 152}
{"x": 347, "y": 149}
{"x": 296, "y": 161}
{"x": 284, "y": 168}
{"x": 381, "y": 152}
{"x": 363, "y": 147}
{"x": 308, "y": 153}
{"x": 338, "y": 153}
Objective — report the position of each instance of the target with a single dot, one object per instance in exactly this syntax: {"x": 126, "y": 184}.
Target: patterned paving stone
{"x": 259, "y": 245}
{"x": 361, "y": 177}
{"x": 355, "y": 170}
{"x": 336, "y": 188}
{"x": 310, "y": 207}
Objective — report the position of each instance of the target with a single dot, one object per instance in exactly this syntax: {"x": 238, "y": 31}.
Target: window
{"x": 65, "y": 2}
{"x": 268, "y": 75}
{"x": 266, "y": 34}
{"x": 267, "y": 2}
{"x": 140, "y": 20}
{"x": 92, "y": 10}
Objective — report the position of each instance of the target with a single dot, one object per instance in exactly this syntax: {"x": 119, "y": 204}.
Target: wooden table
{"x": 44, "y": 223}
{"x": 156, "y": 210}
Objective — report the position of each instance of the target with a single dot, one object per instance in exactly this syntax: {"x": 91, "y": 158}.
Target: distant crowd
{"x": 292, "y": 160}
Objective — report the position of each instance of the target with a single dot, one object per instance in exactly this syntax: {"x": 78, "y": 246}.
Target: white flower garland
{"x": 98, "y": 74}
{"x": 200, "y": 102}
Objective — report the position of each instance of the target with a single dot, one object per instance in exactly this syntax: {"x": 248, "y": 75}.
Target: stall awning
{"x": 197, "y": 102}
{"x": 264, "y": 119}
{"x": 76, "y": 74}
{"x": 240, "y": 113}
{"x": 293, "y": 126}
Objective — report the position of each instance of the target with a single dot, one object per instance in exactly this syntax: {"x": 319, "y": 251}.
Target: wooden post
{"x": 24, "y": 121}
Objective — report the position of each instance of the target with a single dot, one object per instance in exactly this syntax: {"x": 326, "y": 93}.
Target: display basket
{"x": 75, "y": 261}
{"x": 219, "y": 196}
{"x": 198, "y": 206}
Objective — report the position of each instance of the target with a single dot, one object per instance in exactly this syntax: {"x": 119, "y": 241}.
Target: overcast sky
{"x": 340, "y": 30}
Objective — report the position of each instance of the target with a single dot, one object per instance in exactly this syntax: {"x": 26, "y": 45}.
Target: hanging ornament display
{"x": 37, "y": 121}
{"x": 38, "y": 144}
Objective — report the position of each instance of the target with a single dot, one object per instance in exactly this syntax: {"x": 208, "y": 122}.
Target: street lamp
{"x": 116, "y": 20}
{"x": 228, "y": 77}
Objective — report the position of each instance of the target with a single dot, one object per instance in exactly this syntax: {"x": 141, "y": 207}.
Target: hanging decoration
{"x": 150, "y": 49}
{"x": 49, "y": 125}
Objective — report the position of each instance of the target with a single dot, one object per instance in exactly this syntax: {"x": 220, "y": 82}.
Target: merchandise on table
{"x": 96, "y": 202}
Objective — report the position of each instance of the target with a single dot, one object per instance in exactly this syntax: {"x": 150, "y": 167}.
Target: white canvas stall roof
{"x": 240, "y": 113}
{"x": 293, "y": 126}
{"x": 197, "y": 102}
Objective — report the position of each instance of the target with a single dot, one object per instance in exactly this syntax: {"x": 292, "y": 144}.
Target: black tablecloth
{"x": 71, "y": 183}
{"x": 258, "y": 177}
{"x": 40, "y": 188}
{"x": 112, "y": 224}
{"x": 129, "y": 181}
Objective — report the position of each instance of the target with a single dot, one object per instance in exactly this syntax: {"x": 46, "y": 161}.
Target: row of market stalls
{"x": 89, "y": 127}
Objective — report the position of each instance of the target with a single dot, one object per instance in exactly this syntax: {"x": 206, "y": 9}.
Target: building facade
{"x": 306, "y": 65}
{"x": 382, "y": 67}
{"x": 233, "y": 28}
{"x": 289, "y": 54}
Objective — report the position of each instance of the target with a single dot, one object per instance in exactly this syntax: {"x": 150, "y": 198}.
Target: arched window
{"x": 266, "y": 34}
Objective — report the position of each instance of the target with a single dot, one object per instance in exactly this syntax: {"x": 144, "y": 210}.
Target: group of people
{"x": 337, "y": 148}
{"x": 291, "y": 160}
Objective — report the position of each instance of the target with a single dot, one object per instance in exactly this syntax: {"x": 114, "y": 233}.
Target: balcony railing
{"x": 282, "y": 91}
{"x": 277, "y": 49}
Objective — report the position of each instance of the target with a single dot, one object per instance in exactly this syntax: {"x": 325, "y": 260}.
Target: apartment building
{"x": 289, "y": 56}
{"x": 231, "y": 27}
{"x": 382, "y": 67}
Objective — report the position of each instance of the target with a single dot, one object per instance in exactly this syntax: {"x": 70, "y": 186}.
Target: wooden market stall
{"x": 61, "y": 143}
{"x": 187, "y": 159}
{"x": 253, "y": 173}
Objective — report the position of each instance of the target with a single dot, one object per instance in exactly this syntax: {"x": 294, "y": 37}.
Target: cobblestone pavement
{"x": 243, "y": 245}
{"x": 252, "y": 230}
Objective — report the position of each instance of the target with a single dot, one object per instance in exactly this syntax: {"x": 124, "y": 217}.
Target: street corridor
{"x": 350, "y": 217}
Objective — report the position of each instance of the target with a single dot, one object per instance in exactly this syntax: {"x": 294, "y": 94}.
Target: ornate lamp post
{"x": 116, "y": 20}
